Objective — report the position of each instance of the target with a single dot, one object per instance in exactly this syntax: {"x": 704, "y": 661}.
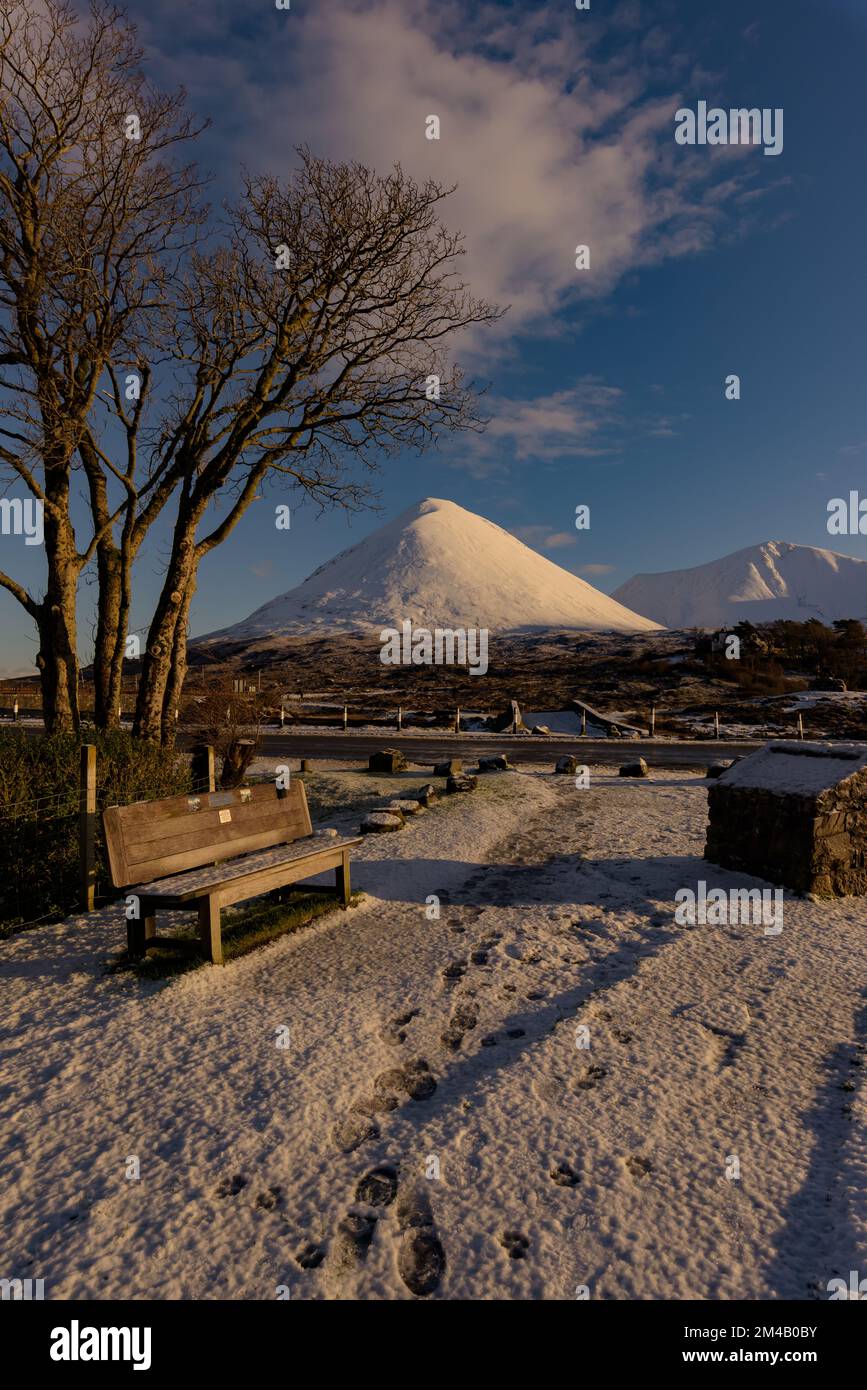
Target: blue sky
{"x": 605, "y": 387}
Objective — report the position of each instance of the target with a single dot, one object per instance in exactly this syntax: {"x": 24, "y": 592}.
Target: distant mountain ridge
{"x": 438, "y": 565}
{"x": 776, "y": 579}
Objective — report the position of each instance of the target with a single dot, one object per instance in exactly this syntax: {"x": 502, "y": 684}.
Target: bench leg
{"x": 342, "y": 879}
{"x": 209, "y": 929}
{"x": 139, "y": 931}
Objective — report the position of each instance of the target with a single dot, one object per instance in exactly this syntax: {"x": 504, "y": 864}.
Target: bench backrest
{"x": 152, "y": 839}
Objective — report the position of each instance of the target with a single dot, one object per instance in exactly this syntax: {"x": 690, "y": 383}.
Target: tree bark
{"x": 177, "y": 667}
{"x": 57, "y": 658}
{"x": 156, "y": 682}
{"x": 107, "y": 629}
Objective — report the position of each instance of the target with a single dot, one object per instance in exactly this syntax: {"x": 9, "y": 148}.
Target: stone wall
{"x": 810, "y": 844}
{"x": 760, "y": 832}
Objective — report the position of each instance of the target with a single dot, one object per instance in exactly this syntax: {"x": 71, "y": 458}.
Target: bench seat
{"x": 211, "y": 850}
{"x": 191, "y": 885}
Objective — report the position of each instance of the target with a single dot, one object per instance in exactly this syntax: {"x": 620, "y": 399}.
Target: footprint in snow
{"x": 353, "y": 1130}
{"x": 378, "y": 1188}
{"x": 395, "y": 1029}
{"x": 354, "y": 1234}
{"x": 462, "y": 1021}
{"x": 638, "y": 1167}
{"x": 414, "y": 1080}
{"x": 421, "y": 1260}
{"x": 271, "y": 1200}
{"x": 564, "y": 1175}
{"x": 593, "y": 1074}
{"x": 516, "y": 1244}
{"x": 310, "y": 1256}
{"x": 230, "y": 1187}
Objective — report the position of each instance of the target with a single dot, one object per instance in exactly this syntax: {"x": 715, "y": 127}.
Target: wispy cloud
{"x": 544, "y": 537}
{"x": 568, "y": 423}
{"x": 551, "y": 141}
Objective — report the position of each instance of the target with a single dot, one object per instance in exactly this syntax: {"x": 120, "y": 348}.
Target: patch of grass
{"x": 242, "y": 932}
{"x": 334, "y": 793}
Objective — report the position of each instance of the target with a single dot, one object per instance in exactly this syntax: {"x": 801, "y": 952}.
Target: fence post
{"x": 202, "y": 765}
{"x": 716, "y": 724}
{"x": 653, "y": 721}
{"x": 345, "y": 717}
{"x": 399, "y": 717}
{"x": 458, "y": 720}
{"x": 583, "y": 723}
{"x": 87, "y": 825}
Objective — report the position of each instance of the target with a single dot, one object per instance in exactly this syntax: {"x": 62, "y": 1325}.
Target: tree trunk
{"x": 57, "y": 658}
{"x": 57, "y": 664}
{"x": 105, "y": 695}
{"x": 111, "y": 633}
{"x": 178, "y": 667}
{"x": 157, "y": 662}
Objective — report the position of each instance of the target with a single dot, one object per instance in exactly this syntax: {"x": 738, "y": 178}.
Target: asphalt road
{"x": 423, "y": 748}
{"x": 431, "y": 748}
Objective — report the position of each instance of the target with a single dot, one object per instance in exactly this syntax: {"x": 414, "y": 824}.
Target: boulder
{"x": 567, "y": 764}
{"x": 464, "y": 783}
{"x": 428, "y": 795}
{"x": 509, "y": 719}
{"x": 829, "y": 683}
{"x": 387, "y": 760}
{"x": 450, "y": 768}
{"x": 326, "y": 834}
{"x": 406, "y": 807}
{"x": 382, "y": 822}
{"x": 636, "y": 769}
{"x": 497, "y": 762}
{"x": 541, "y": 729}
{"x": 717, "y": 769}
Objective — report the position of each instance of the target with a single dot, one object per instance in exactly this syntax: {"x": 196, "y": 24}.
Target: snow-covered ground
{"x": 712, "y": 1051}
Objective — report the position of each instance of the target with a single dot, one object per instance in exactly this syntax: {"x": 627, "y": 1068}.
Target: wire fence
{"x": 53, "y": 859}
{"x": 52, "y": 853}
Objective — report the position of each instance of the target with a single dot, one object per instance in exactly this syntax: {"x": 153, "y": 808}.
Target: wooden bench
{"x": 184, "y": 851}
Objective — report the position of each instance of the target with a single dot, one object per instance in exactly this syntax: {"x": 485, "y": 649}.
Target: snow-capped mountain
{"x": 438, "y": 565}
{"x": 774, "y": 580}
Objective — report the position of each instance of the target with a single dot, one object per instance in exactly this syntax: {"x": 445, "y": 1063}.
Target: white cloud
{"x": 543, "y": 538}
{"x": 551, "y": 143}
{"x": 569, "y": 423}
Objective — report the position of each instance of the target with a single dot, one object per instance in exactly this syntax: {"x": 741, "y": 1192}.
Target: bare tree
{"x": 93, "y": 217}
{"x": 313, "y": 341}
{"x": 308, "y": 342}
